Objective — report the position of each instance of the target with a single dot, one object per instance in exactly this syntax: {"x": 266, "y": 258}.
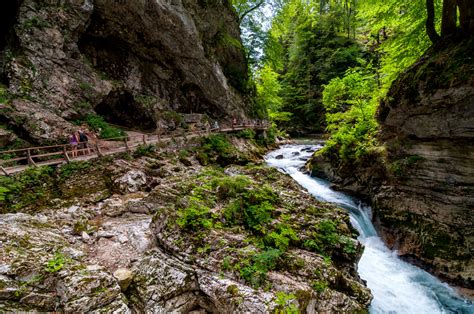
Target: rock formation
{"x": 425, "y": 209}
{"x": 132, "y": 62}
{"x": 112, "y": 243}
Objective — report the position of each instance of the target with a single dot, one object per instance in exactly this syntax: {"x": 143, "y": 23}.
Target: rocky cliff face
{"x": 130, "y": 61}
{"x": 422, "y": 189}
{"x": 161, "y": 233}
{"x": 425, "y": 209}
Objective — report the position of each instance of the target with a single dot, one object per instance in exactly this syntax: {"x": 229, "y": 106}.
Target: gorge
{"x": 237, "y": 221}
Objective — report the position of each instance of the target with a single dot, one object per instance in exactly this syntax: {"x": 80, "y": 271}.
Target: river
{"x": 397, "y": 286}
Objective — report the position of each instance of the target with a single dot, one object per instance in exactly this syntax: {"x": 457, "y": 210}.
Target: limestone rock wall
{"x": 425, "y": 209}
{"x": 129, "y": 61}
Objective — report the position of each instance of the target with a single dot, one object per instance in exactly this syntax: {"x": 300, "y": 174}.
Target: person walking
{"x": 84, "y": 143}
{"x": 74, "y": 141}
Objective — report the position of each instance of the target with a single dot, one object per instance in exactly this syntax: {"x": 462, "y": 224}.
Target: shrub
{"x": 319, "y": 286}
{"x": 281, "y": 238}
{"x": 29, "y": 187}
{"x": 255, "y": 271}
{"x": 106, "y": 131}
{"x": 256, "y": 216}
{"x": 231, "y": 186}
{"x": 144, "y": 150}
{"x": 247, "y": 134}
{"x": 284, "y": 302}
{"x": 216, "y": 147}
{"x": 195, "y": 217}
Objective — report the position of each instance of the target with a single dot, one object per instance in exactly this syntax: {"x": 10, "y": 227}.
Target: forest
{"x": 325, "y": 66}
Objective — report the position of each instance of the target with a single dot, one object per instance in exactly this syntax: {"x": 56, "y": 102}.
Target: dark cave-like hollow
{"x": 121, "y": 108}
{"x": 8, "y": 17}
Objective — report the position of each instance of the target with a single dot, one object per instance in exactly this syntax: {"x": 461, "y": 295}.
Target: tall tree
{"x": 449, "y": 19}
{"x": 430, "y": 22}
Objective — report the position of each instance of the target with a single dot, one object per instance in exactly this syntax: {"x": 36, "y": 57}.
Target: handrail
{"x": 97, "y": 145}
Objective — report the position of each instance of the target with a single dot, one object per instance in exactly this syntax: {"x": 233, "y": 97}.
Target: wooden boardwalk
{"x": 58, "y": 154}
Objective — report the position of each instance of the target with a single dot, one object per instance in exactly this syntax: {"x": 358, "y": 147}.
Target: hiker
{"x": 216, "y": 125}
{"x": 84, "y": 143}
{"x": 234, "y": 122}
{"x": 74, "y": 141}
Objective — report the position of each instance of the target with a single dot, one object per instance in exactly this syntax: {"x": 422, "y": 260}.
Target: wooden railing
{"x": 17, "y": 160}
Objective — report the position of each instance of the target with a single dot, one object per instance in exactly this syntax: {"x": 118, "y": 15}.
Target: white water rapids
{"x": 397, "y": 287}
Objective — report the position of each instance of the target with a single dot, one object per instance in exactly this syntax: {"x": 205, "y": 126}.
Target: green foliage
{"x": 351, "y": 103}
{"x": 326, "y": 238}
{"x": 56, "y": 263}
{"x": 195, "y": 217}
{"x": 217, "y": 148}
{"x": 146, "y": 100}
{"x": 105, "y": 130}
{"x": 281, "y": 237}
{"x": 35, "y": 22}
{"x": 5, "y": 96}
{"x": 144, "y": 150}
{"x": 226, "y": 263}
{"x": 284, "y": 303}
{"x": 255, "y": 271}
{"x": 72, "y": 168}
{"x": 247, "y": 134}
{"x": 29, "y": 187}
{"x": 319, "y": 286}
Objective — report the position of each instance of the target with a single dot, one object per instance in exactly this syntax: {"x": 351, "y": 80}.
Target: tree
{"x": 450, "y": 18}
{"x": 430, "y": 22}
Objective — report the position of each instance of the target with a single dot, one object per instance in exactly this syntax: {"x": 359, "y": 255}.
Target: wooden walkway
{"x": 21, "y": 159}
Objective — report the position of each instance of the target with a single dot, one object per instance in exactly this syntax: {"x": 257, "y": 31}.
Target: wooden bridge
{"x": 17, "y": 160}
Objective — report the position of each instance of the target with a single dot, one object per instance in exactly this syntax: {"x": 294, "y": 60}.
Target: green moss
{"x": 76, "y": 167}
{"x": 319, "y": 286}
{"x": 233, "y": 290}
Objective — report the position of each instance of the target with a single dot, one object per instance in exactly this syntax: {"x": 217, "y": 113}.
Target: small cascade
{"x": 398, "y": 287}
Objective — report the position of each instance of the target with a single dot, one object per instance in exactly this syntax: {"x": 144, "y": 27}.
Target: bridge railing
{"x": 56, "y": 154}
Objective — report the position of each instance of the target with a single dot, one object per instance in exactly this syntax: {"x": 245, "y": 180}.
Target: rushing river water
{"x": 397, "y": 287}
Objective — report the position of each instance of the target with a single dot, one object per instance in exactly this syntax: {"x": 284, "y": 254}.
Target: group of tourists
{"x": 256, "y": 122}
{"x": 80, "y": 142}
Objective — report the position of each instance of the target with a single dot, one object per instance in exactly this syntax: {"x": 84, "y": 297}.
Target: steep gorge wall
{"x": 130, "y": 61}
{"x": 425, "y": 209}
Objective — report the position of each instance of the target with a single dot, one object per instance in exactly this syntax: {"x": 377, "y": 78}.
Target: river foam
{"x": 398, "y": 287}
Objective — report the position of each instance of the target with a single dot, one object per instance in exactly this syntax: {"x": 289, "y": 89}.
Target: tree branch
{"x": 243, "y": 15}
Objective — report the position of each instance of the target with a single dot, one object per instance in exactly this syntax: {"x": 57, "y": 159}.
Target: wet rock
{"x": 279, "y": 157}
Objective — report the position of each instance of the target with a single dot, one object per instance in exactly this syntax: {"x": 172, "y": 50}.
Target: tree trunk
{"x": 448, "y": 23}
{"x": 430, "y": 27}
{"x": 466, "y": 10}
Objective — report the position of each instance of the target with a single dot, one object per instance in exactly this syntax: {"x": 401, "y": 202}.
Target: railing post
{"x": 127, "y": 148}
{"x": 66, "y": 156}
{"x": 30, "y": 159}
{"x": 4, "y": 171}
{"x": 97, "y": 148}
